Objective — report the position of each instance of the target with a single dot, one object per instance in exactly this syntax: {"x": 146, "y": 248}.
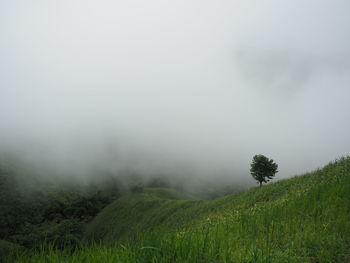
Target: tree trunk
{"x": 260, "y": 184}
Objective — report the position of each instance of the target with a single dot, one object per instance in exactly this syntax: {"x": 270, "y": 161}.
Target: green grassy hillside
{"x": 302, "y": 219}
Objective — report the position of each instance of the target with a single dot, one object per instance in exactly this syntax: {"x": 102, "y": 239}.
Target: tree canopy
{"x": 263, "y": 169}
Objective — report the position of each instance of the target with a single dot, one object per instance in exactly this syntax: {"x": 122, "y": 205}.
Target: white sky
{"x": 159, "y": 85}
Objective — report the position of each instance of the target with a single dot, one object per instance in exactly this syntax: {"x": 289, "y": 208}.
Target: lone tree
{"x": 263, "y": 169}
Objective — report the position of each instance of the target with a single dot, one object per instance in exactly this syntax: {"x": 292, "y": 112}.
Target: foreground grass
{"x": 303, "y": 219}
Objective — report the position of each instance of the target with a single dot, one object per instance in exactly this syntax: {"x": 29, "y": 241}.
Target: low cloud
{"x": 189, "y": 87}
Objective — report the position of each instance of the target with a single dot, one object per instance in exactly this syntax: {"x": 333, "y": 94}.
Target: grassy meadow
{"x": 302, "y": 219}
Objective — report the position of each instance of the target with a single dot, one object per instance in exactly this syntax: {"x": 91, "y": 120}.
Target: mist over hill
{"x": 188, "y": 88}
{"x": 127, "y": 131}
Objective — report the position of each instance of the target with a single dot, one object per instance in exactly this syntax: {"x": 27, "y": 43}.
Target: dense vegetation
{"x": 29, "y": 216}
{"x": 303, "y": 219}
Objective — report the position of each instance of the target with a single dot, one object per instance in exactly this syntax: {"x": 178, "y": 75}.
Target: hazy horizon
{"x": 175, "y": 87}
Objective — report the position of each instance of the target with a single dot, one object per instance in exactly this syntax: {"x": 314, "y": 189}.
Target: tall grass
{"x": 303, "y": 219}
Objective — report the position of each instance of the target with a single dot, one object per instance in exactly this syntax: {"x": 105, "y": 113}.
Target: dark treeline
{"x": 34, "y": 210}
{"x": 53, "y": 213}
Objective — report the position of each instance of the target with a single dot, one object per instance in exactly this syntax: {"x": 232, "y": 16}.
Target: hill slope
{"x": 302, "y": 219}
{"x": 306, "y": 215}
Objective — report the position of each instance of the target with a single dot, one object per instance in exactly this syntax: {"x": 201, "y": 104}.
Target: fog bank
{"x": 180, "y": 87}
